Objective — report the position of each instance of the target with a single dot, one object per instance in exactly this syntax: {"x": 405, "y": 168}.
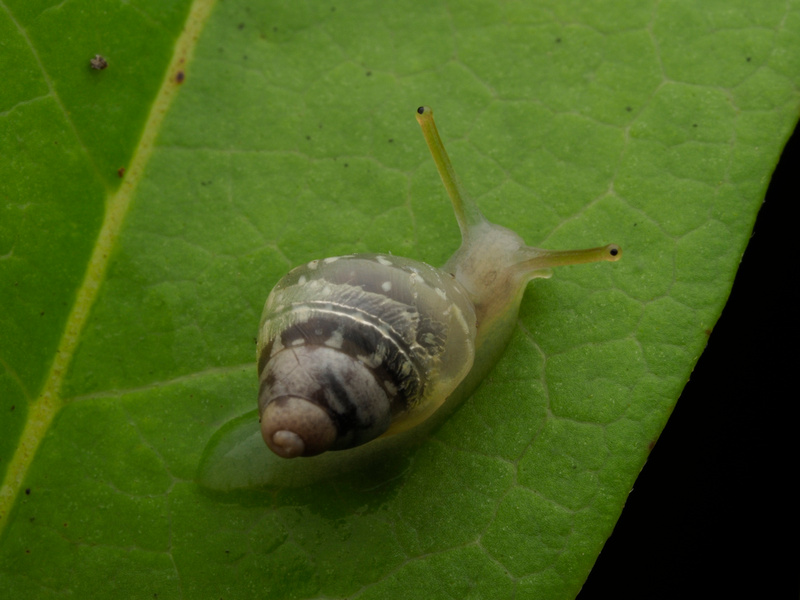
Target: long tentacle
{"x": 467, "y": 213}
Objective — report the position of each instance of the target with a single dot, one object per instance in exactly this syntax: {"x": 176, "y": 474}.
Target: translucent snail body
{"x": 359, "y": 347}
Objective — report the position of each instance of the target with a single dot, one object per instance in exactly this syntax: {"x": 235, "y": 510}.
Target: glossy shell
{"x": 353, "y": 347}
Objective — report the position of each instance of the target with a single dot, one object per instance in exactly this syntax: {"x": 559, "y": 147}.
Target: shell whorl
{"x": 354, "y": 347}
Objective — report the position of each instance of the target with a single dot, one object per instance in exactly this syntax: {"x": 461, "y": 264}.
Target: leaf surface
{"x": 148, "y": 208}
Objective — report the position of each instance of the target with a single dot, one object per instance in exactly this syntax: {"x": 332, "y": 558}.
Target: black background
{"x": 714, "y": 512}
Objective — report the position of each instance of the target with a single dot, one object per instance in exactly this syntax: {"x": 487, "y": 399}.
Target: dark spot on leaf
{"x": 27, "y": 491}
{"x": 345, "y": 164}
{"x": 694, "y": 124}
{"x": 41, "y": 314}
{"x": 707, "y": 331}
{"x": 651, "y": 445}
{"x": 628, "y": 108}
{"x": 241, "y": 26}
{"x": 308, "y": 137}
{"x": 748, "y": 59}
{"x": 98, "y": 63}
{"x": 120, "y": 172}
{"x": 13, "y": 407}
{"x": 179, "y": 77}
{"x": 390, "y": 140}
{"x": 558, "y": 40}
{"x": 369, "y": 73}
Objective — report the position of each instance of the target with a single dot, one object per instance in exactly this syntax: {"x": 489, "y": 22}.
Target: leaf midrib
{"x": 46, "y": 405}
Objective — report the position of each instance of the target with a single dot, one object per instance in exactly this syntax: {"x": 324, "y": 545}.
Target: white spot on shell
{"x": 331, "y": 259}
{"x": 302, "y": 280}
{"x": 298, "y": 342}
{"x": 275, "y": 298}
{"x": 442, "y": 293}
{"x": 336, "y": 340}
{"x": 313, "y": 264}
{"x": 385, "y": 262}
{"x": 375, "y": 359}
{"x": 386, "y": 286}
{"x": 301, "y": 314}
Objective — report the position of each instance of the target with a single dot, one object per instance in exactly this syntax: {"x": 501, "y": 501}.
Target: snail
{"x": 358, "y": 347}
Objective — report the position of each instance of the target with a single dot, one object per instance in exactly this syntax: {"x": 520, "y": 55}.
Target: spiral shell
{"x": 353, "y": 347}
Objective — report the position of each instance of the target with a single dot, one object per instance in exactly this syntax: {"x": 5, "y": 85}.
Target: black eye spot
{"x": 421, "y": 109}
{"x": 614, "y": 251}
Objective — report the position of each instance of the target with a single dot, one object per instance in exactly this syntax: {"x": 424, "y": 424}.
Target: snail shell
{"x": 356, "y": 347}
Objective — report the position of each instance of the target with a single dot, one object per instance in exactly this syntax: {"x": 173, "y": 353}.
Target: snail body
{"x": 358, "y": 347}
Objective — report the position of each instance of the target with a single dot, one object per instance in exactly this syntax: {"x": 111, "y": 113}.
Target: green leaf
{"x": 255, "y": 137}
